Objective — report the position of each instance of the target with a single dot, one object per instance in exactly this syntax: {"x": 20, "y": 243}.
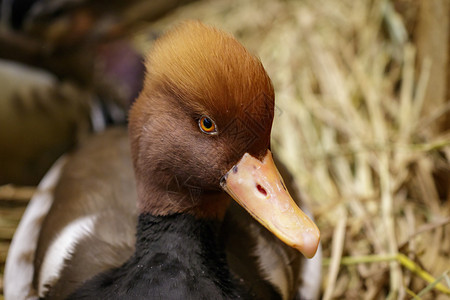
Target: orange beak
{"x": 258, "y": 187}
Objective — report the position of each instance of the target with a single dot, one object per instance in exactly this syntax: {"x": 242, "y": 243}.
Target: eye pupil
{"x": 207, "y": 123}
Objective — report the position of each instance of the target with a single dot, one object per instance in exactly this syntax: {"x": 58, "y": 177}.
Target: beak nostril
{"x": 261, "y": 189}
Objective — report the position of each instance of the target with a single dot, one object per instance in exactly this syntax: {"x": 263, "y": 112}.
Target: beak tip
{"x": 310, "y": 243}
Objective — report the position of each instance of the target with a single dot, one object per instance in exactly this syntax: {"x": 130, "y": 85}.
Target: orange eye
{"x": 207, "y": 125}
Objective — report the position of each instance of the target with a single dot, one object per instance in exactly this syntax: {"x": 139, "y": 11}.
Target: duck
{"x": 185, "y": 203}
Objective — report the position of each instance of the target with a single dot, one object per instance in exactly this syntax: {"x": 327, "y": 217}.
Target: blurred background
{"x": 362, "y": 118}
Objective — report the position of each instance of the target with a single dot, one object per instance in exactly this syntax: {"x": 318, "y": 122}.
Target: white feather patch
{"x": 312, "y": 276}
{"x": 61, "y": 249}
{"x": 311, "y": 271}
{"x": 19, "y": 266}
{"x": 273, "y": 265}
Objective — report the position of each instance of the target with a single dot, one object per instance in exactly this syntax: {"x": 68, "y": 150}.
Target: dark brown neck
{"x": 161, "y": 200}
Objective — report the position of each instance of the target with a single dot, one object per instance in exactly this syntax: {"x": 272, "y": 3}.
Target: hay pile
{"x": 353, "y": 126}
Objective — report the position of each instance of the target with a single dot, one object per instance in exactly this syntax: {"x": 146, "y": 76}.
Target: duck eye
{"x": 207, "y": 125}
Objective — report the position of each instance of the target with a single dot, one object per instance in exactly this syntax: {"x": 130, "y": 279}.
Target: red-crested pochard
{"x": 199, "y": 133}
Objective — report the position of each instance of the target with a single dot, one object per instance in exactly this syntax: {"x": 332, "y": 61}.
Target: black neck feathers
{"x": 176, "y": 257}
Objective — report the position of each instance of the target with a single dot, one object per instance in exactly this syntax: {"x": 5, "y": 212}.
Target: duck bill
{"x": 258, "y": 187}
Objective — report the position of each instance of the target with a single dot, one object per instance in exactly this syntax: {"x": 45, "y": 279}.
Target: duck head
{"x": 201, "y": 127}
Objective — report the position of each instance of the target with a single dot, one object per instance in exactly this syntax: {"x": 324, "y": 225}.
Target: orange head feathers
{"x": 208, "y": 69}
